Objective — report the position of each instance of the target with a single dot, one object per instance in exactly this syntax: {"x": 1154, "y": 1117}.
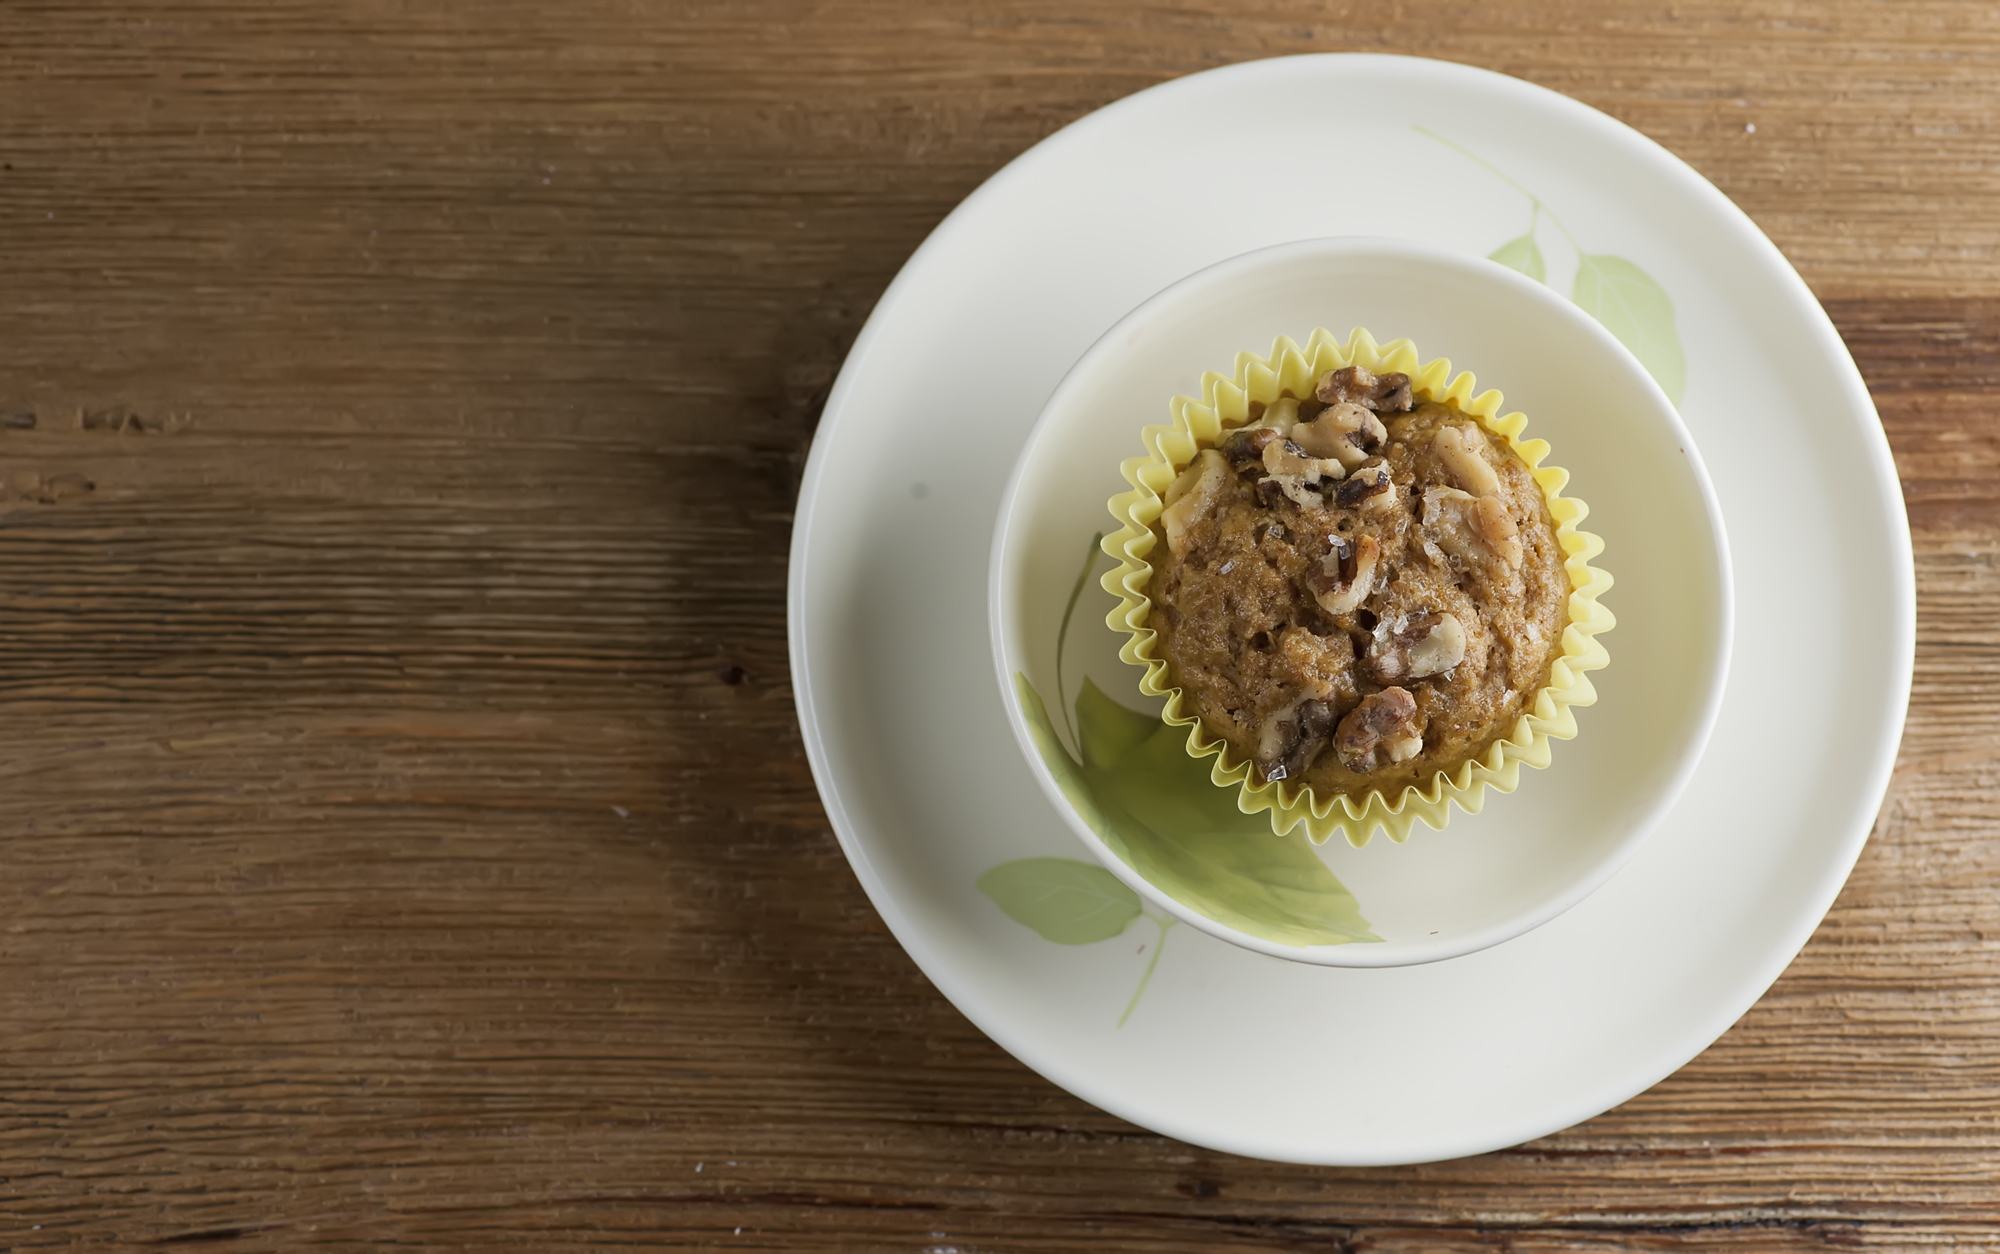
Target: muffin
{"x": 1358, "y": 589}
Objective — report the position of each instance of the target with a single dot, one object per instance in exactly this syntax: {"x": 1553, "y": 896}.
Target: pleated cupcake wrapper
{"x": 1225, "y": 403}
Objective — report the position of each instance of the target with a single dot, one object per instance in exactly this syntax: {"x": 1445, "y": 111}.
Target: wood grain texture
{"x": 407, "y": 833}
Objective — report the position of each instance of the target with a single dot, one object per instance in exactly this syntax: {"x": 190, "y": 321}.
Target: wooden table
{"x": 406, "y": 831}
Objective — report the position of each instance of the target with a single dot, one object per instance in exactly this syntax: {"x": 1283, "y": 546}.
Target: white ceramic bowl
{"x": 1528, "y": 856}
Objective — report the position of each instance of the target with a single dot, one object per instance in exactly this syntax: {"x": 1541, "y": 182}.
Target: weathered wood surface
{"x": 406, "y": 833}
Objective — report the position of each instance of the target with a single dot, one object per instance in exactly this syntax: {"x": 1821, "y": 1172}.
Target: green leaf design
{"x": 1069, "y": 776}
{"x": 1637, "y": 310}
{"x": 1066, "y": 901}
{"x": 1524, "y": 254}
{"x": 1159, "y": 812}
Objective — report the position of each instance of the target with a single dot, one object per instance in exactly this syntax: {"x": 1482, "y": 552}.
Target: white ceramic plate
{"x": 1235, "y": 1050}
{"x": 1521, "y": 860}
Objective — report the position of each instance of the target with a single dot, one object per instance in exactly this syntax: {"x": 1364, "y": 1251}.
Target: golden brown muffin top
{"x": 1358, "y": 590}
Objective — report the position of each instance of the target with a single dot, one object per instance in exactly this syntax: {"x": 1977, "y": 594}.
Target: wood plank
{"x": 400, "y": 414}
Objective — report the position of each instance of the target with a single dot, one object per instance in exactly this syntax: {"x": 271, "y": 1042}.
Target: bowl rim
{"x": 1221, "y": 273}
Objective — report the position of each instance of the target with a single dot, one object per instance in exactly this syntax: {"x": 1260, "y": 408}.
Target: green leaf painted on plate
{"x": 1524, "y": 254}
{"x": 1065, "y": 900}
{"x": 1638, "y": 311}
{"x": 1159, "y": 812}
{"x": 1111, "y": 732}
{"x": 1069, "y": 776}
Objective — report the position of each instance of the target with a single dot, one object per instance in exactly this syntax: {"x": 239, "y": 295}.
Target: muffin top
{"x": 1358, "y": 590}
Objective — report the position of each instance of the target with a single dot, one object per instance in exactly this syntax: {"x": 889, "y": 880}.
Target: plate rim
{"x": 1648, "y": 1068}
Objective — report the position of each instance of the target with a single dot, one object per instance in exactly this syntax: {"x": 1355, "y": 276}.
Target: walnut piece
{"x": 1486, "y": 514}
{"x": 1416, "y": 646}
{"x": 1385, "y": 394}
{"x": 1458, "y": 449}
{"x": 1442, "y": 648}
{"x": 1346, "y": 575}
{"x": 1245, "y": 445}
{"x": 1474, "y": 529}
{"x": 1296, "y": 474}
{"x": 1345, "y": 431}
{"x": 1498, "y": 531}
{"x": 1293, "y": 737}
{"x": 1193, "y": 496}
{"x": 1311, "y": 665}
{"x": 1281, "y": 415}
{"x": 1367, "y": 486}
{"x": 1385, "y": 723}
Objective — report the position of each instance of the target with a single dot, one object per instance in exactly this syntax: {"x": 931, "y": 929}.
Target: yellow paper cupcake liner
{"x": 1226, "y": 403}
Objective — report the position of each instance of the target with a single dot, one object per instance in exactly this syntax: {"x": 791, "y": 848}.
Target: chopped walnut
{"x": 1346, "y": 575}
{"x": 1458, "y": 449}
{"x": 1190, "y": 475}
{"x": 1345, "y": 431}
{"x": 1280, "y": 415}
{"x": 1385, "y": 723}
{"x": 1447, "y": 526}
{"x": 1497, "y": 530}
{"x": 1367, "y": 486}
{"x": 1475, "y": 530}
{"x": 1193, "y": 496}
{"x": 1385, "y": 394}
{"x": 1416, "y": 647}
{"x": 1293, "y": 737}
{"x": 1245, "y": 446}
{"x": 1296, "y": 474}
{"x": 1442, "y": 648}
